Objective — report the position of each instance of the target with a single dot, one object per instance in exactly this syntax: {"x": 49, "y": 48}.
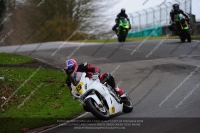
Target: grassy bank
{"x": 35, "y": 96}
{"x": 6, "y": 58}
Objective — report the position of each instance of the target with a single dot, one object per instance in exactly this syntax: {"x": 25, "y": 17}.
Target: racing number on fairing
{"x": 79, "y": 88}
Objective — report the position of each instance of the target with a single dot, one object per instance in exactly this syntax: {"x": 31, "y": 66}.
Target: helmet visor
{"x": 69, "y": 71}
{"x": 176, "y": 8}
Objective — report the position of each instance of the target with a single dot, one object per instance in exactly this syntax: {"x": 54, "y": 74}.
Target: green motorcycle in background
{"x": 182, "y": 29}
{"x": 123, "y": 28}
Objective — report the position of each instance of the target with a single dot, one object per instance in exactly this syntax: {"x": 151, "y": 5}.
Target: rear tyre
{"x": 99, "y": 113}
{"x": 127, "y": 104}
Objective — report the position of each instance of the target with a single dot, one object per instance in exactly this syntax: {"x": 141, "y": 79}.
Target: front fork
{"x": 118, "y": 31}
{"x": 185, "y": 24}
{"x": 182, "y": 28}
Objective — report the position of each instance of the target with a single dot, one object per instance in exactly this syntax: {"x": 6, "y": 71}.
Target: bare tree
{"x": 2, "y": 11}
{"x": 55, "y": 20}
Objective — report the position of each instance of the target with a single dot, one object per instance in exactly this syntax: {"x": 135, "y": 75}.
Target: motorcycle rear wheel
{"x": 127, "y": 104}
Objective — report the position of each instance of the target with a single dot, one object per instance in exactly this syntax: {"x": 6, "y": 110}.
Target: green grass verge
{"x": 135, "y": 39}
{"x": 6, "y": 58}
{"x": 40, "y": 99}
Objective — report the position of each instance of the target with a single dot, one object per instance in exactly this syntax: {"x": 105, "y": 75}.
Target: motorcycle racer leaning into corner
{"x": 121, "y": 14}
{"x": 92, "y": 72}
{"x": 174, "y": 14}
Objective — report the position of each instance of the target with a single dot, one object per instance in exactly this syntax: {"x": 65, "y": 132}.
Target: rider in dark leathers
{"x": 175, "y": 12}
{"x": 121, "y": 14}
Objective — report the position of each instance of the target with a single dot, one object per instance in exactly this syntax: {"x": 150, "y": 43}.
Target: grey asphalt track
{"x": 164, "y": 87}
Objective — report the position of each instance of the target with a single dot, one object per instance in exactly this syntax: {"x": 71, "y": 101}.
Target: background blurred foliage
{"x": 34, "y": 21}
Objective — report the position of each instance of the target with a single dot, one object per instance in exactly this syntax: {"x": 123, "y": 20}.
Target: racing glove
{"x": 188, "y": 20}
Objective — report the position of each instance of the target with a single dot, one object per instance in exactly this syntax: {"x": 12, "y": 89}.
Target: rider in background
{"x": 174, "y": 14}
{"x": 71, "y": 68}
{"x": 121, "y": 14}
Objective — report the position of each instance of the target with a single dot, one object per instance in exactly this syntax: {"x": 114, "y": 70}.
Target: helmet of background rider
{"x": 176, "y": 7}
{"x": 70, "y": 66}
{"x": 123, "y": 11}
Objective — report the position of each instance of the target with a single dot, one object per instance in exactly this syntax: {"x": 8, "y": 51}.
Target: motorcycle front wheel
{"x": 123, "y": 36}
{"x": 119, "y": 39}
{"x": 99, "y": 112}
{"x": 188, "y": 35}
{"x": 182, "y": 38}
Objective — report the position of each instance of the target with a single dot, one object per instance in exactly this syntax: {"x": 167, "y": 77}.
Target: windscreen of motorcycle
{"x": 124, "y": 20}
{"x": 78, "y": 76}
{"x": 75, "y": 79}
{"x": 176, "y": 17}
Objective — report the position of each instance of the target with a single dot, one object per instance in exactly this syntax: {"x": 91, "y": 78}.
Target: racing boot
{"x": 114, "y": 28}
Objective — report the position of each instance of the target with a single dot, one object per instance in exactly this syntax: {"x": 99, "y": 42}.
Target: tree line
{"x": 37, "y": 21}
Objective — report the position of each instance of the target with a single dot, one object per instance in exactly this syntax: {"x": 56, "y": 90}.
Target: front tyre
{"x": 187, "y": 33}
{"x": 127, "y": 104}
{"x": 86, "y": 109}
{"x": 123, "y": 36}
{"x": 119, "y": 39}
{"x": 182, "y": 38}
{"x": 99, "y": 112}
